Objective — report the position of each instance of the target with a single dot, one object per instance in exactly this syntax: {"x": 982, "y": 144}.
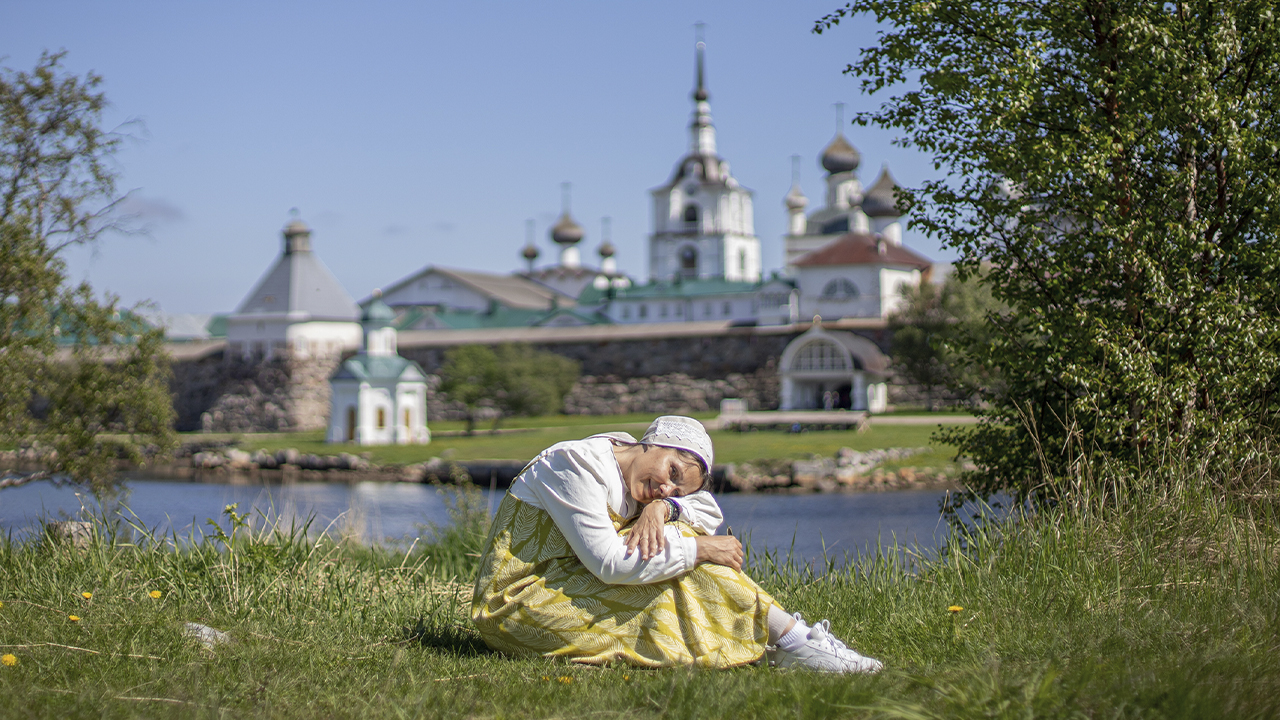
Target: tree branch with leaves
{"x": 81, "y": 380}
{"x": 1114, "y": 168}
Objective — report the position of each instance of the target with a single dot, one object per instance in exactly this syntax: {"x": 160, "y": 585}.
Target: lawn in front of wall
{"x": 539, "y": 433}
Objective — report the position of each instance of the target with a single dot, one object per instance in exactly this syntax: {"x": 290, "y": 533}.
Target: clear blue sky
{"x": 412, "y": 133}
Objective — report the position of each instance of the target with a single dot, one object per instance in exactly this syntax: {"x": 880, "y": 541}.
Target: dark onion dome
{"x": 530, "y": 252}
{"x": 607, "y": 250}
{"x": 703, "y": 168}
{"x": 840, "y": 156}
{"x": 567, "y": 232}
{"x": 882, "y": 199}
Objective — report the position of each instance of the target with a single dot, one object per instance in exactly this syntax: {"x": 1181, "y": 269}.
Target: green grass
{"x": 1163, "y": 608}
{"x": 731, "y": 446}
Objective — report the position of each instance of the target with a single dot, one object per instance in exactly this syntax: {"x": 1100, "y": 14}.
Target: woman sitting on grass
{"x": 603, "y": 550}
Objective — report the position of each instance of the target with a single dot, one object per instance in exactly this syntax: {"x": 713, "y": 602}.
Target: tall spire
{"x": 700, "y": 90}
{"x": 702, "y": 132}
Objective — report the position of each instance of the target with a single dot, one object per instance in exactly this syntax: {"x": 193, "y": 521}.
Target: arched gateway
{"x": 833, "y": 369}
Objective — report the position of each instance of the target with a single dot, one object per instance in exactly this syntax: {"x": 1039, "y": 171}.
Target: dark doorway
{"x": 845, "y": 393}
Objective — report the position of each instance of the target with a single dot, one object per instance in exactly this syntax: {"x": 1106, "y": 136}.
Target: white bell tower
{"x": 703, "y": 220}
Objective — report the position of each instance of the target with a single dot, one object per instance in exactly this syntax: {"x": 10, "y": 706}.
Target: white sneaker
{"x": 824, "y": 653}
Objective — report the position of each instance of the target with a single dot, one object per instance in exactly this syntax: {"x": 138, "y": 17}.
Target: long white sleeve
{"x": 572, "y": 482}
{"x": 700, "y": 510}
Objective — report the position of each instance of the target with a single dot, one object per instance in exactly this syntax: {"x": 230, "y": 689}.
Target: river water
{"x": 810, "y": 527}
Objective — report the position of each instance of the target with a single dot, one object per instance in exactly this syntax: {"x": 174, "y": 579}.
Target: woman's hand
{"x": 647, "y": 533}
{"x": 720, "y": 549}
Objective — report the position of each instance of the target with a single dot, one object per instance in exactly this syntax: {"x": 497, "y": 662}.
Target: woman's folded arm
{"x": 579, "y": 507}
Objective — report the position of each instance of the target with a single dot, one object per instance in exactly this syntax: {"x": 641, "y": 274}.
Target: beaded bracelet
{"x": 675, "y": 509}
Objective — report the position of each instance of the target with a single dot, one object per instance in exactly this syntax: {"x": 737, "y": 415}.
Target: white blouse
{"x": 578, "y": 482}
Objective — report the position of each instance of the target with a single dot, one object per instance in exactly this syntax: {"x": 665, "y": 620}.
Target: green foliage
{"x": 1114, "y": 166}
{"x": 932, "y": 329}
{"x": 104, "y": 395}
{"x": 514, "y": 379}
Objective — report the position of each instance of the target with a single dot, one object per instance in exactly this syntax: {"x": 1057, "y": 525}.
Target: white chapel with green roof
{"x": 378, "y": 397}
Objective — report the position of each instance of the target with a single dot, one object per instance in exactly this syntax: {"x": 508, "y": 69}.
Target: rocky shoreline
{"x": 848, "y": 471}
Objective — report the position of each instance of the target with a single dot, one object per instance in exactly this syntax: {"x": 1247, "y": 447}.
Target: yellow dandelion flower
{"x": 626, "y": 677}
{"x": 86, "y": 595}
{"x": 565, "y": 679}
{"x": 1, "y": 605}
{"x": 954, "y": 609}
{"x": 73, "y": 618}
{"x": 155, "y": 594}
{"x": 9, "y": 660}
{"x": 546, "y": 678}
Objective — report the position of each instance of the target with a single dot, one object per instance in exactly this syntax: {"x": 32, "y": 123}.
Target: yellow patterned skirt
{"x": 533, "y": 596}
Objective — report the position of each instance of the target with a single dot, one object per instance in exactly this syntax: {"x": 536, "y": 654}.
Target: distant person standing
{"x": 603, "y": 551}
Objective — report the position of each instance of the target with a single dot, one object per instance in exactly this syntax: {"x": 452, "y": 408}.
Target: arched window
{"x": 821, "y": 355}
{"x": 382, "y": 418}
{"x": 840, "y": 289}
{"x": 690, "y": 214}
{"x": 689, "y": 261}
{"x": 742, "y": 261}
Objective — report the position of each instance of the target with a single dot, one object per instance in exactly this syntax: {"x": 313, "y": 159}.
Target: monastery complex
{"x": 845, "y": 263}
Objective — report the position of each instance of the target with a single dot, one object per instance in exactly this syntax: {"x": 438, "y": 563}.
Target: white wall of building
{"x": 268, "y": 336}
{"x": 891, "y": 284}
{"x": 737, "y": 307}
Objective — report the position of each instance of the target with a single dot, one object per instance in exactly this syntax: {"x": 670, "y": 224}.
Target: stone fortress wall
{"x": 650, "y": 370}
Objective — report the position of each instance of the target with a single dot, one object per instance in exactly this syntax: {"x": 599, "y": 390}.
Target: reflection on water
{"x": 839, "y": 525}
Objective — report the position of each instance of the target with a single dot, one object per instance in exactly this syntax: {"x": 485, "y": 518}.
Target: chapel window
{"x": 840, "y": 289}
{"x": 821, "y": 355}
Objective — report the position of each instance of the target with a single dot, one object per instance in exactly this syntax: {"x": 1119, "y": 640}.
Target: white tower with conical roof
{"x": 703, "y": 220}
{"x": 298, "y": 308}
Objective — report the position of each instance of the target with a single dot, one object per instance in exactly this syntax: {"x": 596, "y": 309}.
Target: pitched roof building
{"x": 297, "y": 307}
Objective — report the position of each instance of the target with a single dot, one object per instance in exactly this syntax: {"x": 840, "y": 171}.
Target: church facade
{"x": 703, "y": 219}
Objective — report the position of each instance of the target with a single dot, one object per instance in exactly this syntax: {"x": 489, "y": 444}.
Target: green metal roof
{"x": 217, "y": 326}
{"x": 584, "y": 317}
{"x": 377, "y": 313}
{"x": 499, "y": 317}
{"x": 366, "y": 367}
